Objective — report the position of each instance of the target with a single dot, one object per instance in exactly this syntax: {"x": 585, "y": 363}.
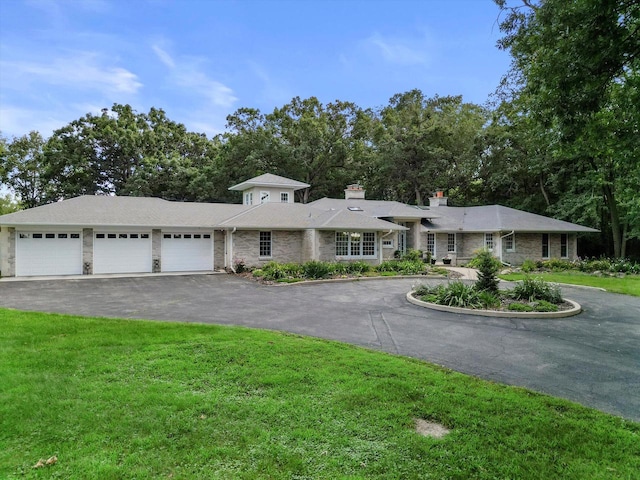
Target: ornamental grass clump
{"x": 533, "y": 289}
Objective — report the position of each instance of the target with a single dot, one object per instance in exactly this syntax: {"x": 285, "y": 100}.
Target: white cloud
{"x": 83, "y": 70}
{"x": 164, "y": 56}
{"x": 401, "y": 51}
{"x": 189, "y": 73}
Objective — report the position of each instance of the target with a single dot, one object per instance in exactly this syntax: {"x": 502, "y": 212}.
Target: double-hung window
{"x": 265, "y": 244}
{"x": 488, "y": 241}
{"x": 564, "y": 245}
{"x": 451, "y": 243}
{"x": 545, "y": 245}
{"x": 431, "y": 244}
{"x": 356, "y": 244}
{"x": 509, "y": 243}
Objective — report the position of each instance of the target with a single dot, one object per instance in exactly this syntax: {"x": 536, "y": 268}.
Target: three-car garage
{"x": 73, "y": 252}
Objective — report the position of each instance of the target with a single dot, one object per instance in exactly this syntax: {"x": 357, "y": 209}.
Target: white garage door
{"x": 187, "y": 252}
{"x": 47, "y": 253}
{"x": 121, "y": 252}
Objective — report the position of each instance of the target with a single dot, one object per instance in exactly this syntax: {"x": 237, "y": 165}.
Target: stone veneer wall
{"x": 218, "y": 249}
{"x": 87, "y": 251}
{"x": 8, "y": 253}
{"x": 286, "y": 246}
{"x": 308, "y": 252}
{"x": 156, "y": 250}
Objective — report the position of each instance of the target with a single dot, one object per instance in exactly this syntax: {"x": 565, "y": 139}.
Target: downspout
{"x": 230, "y": 249}
{"x": 380, "y": 246}
{"x": 503, "y": 236}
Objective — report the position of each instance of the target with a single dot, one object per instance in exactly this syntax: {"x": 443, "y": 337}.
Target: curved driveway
{"x": 593, "y": 358}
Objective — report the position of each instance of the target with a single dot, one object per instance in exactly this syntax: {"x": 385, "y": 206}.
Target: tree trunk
{"x": 623, "y": 247}
{"x": 615, "y": 219}
{"x": 544, "y": 193}
{"x": 418, "y": 196}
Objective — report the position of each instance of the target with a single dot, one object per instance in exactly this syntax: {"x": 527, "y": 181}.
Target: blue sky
{"x": 200, "y": 60}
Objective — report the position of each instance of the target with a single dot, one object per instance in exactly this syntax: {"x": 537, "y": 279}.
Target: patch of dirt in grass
{"x": 430, "y": 429}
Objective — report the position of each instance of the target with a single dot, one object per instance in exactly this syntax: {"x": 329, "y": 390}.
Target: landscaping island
{"x": 533, "y": 297}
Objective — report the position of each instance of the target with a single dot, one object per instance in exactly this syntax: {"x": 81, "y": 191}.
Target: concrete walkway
{"x": 467, "y": 273}
{"x": 592, "y": 358}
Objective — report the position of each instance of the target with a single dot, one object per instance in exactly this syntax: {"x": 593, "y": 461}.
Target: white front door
{"x": 48, "y": 253}
{"x": 122, "y": 252}
{"x": 187, "y": 252}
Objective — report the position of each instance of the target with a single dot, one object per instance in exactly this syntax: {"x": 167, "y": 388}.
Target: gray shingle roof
{"x": 270, "y": 180}
{"x": 100, "y": 210}
{"x": 496, "y": 218}
{"x": 94, "y": 211}
{"x": 288, "y": 216}
{"x": 378, "y": 208}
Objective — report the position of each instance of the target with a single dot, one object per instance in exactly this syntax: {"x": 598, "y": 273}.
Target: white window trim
{"x": 566, "y": 245}
{"x": 270, "y": 244}
{"x": 435, "y": 243}
{"x": 548, "y": 245}
{"x": 288, "y": 197}
{"x": 361, "y": 256}
{"x": 513, "y": 243}
{"x": 455, "y": 243}
{"x": 248, "y": 198}
{"x": 265, "y": 197}
{"x": 387, "y": 243}
{"x": 493, "y": 245}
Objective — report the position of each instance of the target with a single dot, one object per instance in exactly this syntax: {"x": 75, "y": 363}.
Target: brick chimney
{"x": 354, "y": 190}
{"x": 439, "y": 200}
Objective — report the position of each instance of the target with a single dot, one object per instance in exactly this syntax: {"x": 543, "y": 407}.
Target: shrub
{"x": 528, "y": 266}
{"x": 317, "y": 270}
{"x": 406, "y": 267}
{"x": 520, "y": 307}
{"x": 488, "y": 300}
{"x": 457, "y": 294}
{"x": 544, "y": 306}
{"x": 488, "y": 268}
{"x": 357, "y": 268}
{"x": 413, "y": 255}
{"x": 536, "y": 289}
{"x": 278, "y": 271}
{"x": 558, "y": 265}
{"x": 239, "y": 265}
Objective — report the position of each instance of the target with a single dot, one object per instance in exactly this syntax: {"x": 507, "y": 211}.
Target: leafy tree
{"x": 575, "y": 73}
{"x": 424, "y": 144}
{"x": 8, "y": 205}
{"x": 129, "y": 153}
{"x": 22, "y": 164}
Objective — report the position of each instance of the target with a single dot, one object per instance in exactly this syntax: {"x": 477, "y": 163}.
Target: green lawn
{"x": 134, "y": 399}
{"x": 629, "y": 285}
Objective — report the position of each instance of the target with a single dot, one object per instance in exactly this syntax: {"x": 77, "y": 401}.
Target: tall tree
{"x": 22, "y": 164}
{"x": 573, "y": 63}
{"x": 424, "y": 144}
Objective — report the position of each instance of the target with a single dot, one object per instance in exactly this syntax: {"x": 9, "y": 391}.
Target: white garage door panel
{"x": 187, "y": 252}
{"x": 122, "y": 254}
{"x": 48, "y": 254}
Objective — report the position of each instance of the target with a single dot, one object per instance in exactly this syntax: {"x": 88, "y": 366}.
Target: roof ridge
{"x": 238, "y": 215}
{"x": 337, "y": 212}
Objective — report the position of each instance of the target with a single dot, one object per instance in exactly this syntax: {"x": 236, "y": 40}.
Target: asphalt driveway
{"x": 592, "y": 358}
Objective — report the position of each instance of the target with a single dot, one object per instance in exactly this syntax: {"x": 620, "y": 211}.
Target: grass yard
{"x": 629, "y": 285}
{"x": 117, "y": 399}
